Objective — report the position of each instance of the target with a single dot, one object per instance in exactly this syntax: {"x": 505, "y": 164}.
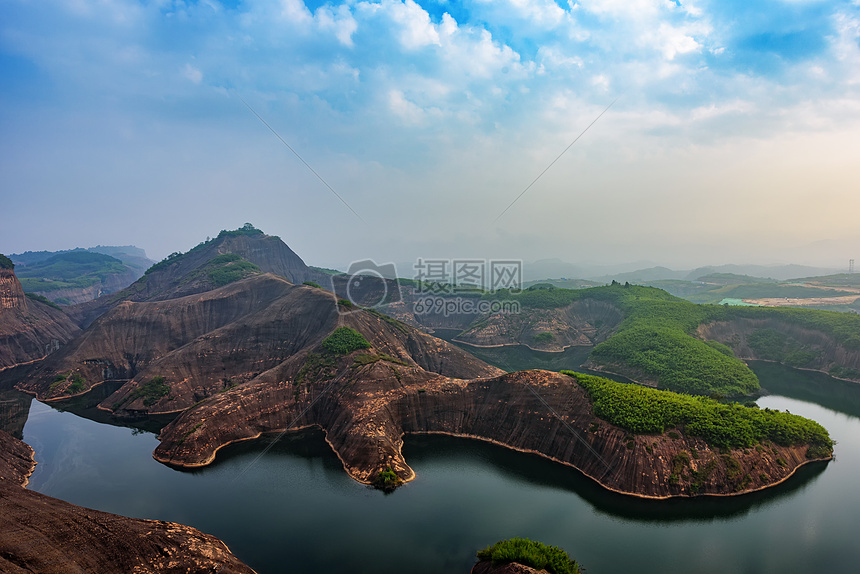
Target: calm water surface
{"x": 294, "y": 508}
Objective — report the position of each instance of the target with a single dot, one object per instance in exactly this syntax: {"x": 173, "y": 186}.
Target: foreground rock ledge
{"x": 366, "y": 410}
{"x": 42, "y": 534}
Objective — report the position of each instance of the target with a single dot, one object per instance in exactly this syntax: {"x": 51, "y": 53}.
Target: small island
{"x": 524, "y": 556}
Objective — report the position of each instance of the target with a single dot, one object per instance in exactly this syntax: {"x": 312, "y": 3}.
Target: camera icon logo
{"x": 367, "y": 284}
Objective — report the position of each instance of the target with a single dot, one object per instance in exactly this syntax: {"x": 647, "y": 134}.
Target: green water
{"x": 295, "y": 510}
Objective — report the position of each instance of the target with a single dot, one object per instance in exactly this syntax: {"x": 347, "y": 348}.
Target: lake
{"x": 294, "y": 508}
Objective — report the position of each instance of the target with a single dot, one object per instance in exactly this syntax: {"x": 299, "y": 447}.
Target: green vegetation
{"x": 844, "y": 372}
{"x": 326, "y": 270}
{"x": 763, "y": 291}
{"x": 344, "y": 340}
{"x": 677, "y": 361}
{"x": 229, "y": 267}
{"x": 771, "y": 345}
{"x": 387, "y": 480}
{"x": 78, "y": 383}
{"x": 529, "y": 553}
{"x": 69, "y": 270}
{"x": 544, "y": 338}
{"x": 42, "y": 299}
{"x": 767, "y": 344}
{"x": 641, "y": 410}
{"x": 177, "y": 256}
{"x": 838, "y": 280}
{"x": 656, "y": 341}
{"x": 312, "y": 284}
{"x": 152, "y": 391}
{"x": 843, "y": 327}
{"x": 247, "y": 230}
{"x": 6, "y": 263}
{"x": 733, "y": 279}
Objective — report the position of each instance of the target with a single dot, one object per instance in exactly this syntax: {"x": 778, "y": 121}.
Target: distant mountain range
{"x": 642, "y": 272}
{"x": 79, "y": 275}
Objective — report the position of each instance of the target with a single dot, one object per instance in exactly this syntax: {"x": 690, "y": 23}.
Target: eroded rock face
{"x": 259, "y": 329}
{"x": 179, "y": 279}
{"x": 365, "y": 409}
{"x": 29, "y": 330}
{"x": 111, "y": 284}
{"x": 825, "y": 349}
{"x": 200, "y": 343}
{"x": 42, "y": 534}
{"x": 583, "y": 323}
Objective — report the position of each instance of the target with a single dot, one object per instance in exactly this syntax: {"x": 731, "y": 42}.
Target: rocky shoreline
{"x": 538, "y": 412}
{"x": 39, "y": 533}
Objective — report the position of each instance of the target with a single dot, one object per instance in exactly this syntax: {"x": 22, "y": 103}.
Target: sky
{"x": 703, "y": 132}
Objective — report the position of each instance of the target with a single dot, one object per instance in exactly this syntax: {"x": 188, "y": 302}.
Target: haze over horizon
{"x": 733, "y": 137}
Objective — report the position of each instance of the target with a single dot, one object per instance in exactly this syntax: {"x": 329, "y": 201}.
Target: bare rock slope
{"x": 365, "y": 408}
{"x": 189, "y": 273}
{"x": 42, "y": 534}
{"x": 258, "y": 329}
{"x": 29, "y": 329}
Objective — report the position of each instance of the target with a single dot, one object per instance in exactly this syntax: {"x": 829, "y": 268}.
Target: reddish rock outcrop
{"x": 583, "y": 323}
{"x": 42, "y": 534}
{"x": 257, "y": 329}
{"x": 179, "y": 277}
{"x": 29, "y": 329}
{"x": 365, "y": 409}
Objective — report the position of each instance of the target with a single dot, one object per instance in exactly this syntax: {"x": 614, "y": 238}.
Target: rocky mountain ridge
{"x": 29, "y": 329}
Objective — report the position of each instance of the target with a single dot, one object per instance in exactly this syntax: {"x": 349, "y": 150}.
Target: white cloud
{"x": 340, "y": 21}
{"x": 625, "y": 8}
{"x": 556, "y": 58}
{"x": 382, "y": 82}
{"x": 295, "y": 11}
{"x": 416, "y": 29}
{"x": 672, "y": 41}
{"x": 711, "y": 111}
{"x": 846, "y": 45}
{"x": 409, "y": 112}
{"x": 193, "y": 74}
{"x": 474, "y": 52}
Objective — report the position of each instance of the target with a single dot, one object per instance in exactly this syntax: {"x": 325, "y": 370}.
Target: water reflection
{"x": 296, "y": 503}
{"x": 840, "y": 396}
{"x": 86, "y": 406}
{"x": 533, "y": 470}
{"x": 14, "y": 410}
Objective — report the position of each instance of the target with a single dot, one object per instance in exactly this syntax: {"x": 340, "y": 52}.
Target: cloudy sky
{"x": 734, "y": 135}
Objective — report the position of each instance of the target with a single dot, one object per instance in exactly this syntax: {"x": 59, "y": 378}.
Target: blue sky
{"x": 734, "y": 135}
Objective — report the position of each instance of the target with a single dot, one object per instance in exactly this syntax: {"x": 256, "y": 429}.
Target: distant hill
{"x": 643, "y": 275}
{"x": 79, "y": 275}
{"x": 229, "y": 257}
{"x": 778, "y": 272}
{"x": 134, "y": 257}
{"x": 733, "y": 279}
{"x": 837, "y": 280}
